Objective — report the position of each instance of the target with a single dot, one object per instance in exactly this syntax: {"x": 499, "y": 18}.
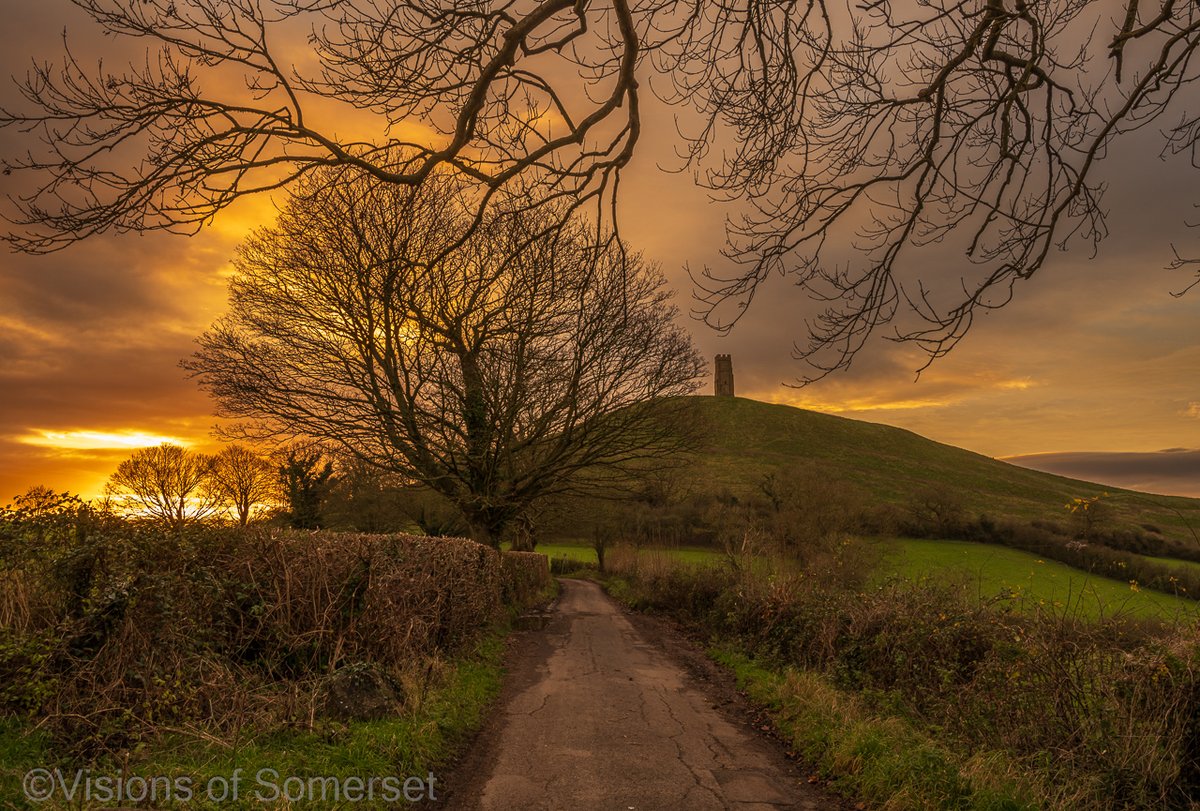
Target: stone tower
{"x": 723, "y": 377}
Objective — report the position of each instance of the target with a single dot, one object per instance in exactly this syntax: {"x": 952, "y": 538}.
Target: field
{"x": 990, "y": 571}
{"x": 1036, "y": 583}
{"x": 586, "y": 554}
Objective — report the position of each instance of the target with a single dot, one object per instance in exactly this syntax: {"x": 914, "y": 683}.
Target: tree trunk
{"x": 523, "y": 538}
{"x": 482, "y": 532}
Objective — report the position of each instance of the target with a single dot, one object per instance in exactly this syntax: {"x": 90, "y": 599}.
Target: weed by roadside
{"x": 1026, "y": 708}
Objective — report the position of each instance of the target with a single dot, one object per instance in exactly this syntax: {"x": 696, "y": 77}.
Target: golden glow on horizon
{"x": 851, "y": 405}
{"x": 97, "y": 440}
{"x": 1019, "y": 385}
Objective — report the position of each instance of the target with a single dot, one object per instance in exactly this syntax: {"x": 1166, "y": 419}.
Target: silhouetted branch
{"x": 860, "y": 141}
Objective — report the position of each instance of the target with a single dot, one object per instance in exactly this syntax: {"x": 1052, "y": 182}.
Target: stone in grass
{"x": 358, "y": 692}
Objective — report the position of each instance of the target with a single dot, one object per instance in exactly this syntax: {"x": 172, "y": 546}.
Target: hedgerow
{"x": 110, "y": 635}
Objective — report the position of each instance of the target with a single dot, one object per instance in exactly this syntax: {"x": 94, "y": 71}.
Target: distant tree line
{"x": 304, "y": 486}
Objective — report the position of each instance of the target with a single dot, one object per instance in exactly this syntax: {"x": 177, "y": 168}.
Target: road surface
{"x": 602, "y": 718}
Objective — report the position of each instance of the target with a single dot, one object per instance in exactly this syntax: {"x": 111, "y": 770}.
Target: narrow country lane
{"x": 605, "y": 719}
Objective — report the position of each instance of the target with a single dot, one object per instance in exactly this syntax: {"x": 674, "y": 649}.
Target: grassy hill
{"x": 747, "y": 439}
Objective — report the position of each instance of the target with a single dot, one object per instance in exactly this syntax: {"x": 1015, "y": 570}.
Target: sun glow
{"x": 97, "y": 440}
{"x": 853, "y": 405}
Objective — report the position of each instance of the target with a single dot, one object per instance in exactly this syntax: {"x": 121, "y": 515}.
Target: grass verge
{"x": 917, "y": 697}
{"x": 881, "y": 760}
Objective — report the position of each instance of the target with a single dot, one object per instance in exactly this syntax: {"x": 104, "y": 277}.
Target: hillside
{"x": 746, "y": 439}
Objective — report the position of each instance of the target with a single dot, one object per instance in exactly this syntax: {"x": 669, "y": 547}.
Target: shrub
{"x": 937, "y": 511}
{"x": 217, "y": 628}
{"x": 809, "y": 510}
{"x": 1110, "y": 709}
{"x": 525, "y": 575}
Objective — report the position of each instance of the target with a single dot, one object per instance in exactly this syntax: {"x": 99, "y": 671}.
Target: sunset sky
{"x": 1094, "y": 366}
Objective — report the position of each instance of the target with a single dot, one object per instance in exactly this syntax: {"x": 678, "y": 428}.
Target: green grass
{"x": 990, "y": 571}
{"x": 882, "y": 760}
{"x": 424, "y": 736}
{"x": 1038, "y": 583}
{"x": 750, "y": 439}
{"x": 1187, "y": 564}
{"x": 588, "y": 555}
{"x": 569, "y": 551}
{"x": 21, "y": 748}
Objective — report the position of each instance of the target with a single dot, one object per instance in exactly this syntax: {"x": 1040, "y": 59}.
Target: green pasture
{"x": 1036, "y": 583}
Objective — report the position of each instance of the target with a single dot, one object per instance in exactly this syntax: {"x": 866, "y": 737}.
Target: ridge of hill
{"x": 746, "y": 439}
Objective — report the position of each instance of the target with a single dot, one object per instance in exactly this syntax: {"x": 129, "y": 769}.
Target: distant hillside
{"x": 749, "y": 438}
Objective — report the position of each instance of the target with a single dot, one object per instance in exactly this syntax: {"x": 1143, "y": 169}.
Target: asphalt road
{"x": 603, "y": 718}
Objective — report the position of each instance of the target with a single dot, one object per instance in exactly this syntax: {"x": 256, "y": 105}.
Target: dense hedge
{"x": 104, "y": 638}
{"x": 1107, "y": 712}
{"x": 526, "y": 574}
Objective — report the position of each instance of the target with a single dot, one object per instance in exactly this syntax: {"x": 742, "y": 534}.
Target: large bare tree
{"x": 509, "y": 368}
{"x": 976, "y": 124}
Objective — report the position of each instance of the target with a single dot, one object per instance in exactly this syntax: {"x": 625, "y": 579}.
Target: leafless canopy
{"x": 496, "y": 373}
{"x": 244, "y": 482}
{"x": 971, "y": 128}
{"x": 166, "y": 483}
{"x": 891, "y": 126}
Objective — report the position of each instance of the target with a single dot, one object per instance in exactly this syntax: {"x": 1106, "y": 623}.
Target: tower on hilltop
{"x": 723, "y": 377}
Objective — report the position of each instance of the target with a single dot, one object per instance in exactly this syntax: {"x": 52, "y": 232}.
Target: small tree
{"x": 307, "y": 478}
{"x": 243, "y": 481}
{"x": 938, "y": 511}
{"x": 1090, "y": 513}
{"x": 602, "y": 539}
{"x": 810, "y": 509}
{"x": 167, "y": 483}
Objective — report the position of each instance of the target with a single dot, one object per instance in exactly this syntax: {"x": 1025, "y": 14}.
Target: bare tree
{"x": 244, "y": 481}
{"x": 973, "y": 125}
{"x": 936, "y": 128}
{"x": 506, "y": 370}
{"x": 169, "y": 142}
{"x": 165, "y": 483}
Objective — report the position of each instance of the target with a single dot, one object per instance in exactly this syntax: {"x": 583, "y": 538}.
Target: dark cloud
{"x": 1173, "y": 472}
{"x": 1093, "y": 351}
